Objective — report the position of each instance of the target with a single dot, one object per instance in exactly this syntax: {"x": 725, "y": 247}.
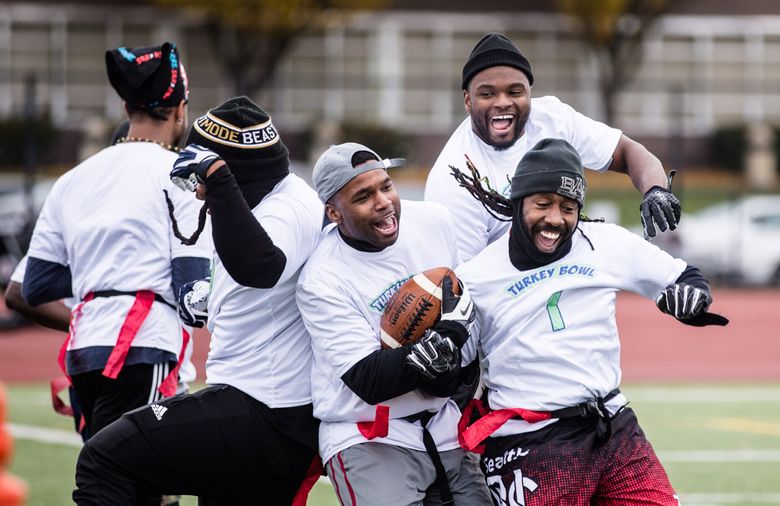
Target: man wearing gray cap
{"x": 505, "y": 122}
{"x": 383, "y": 412}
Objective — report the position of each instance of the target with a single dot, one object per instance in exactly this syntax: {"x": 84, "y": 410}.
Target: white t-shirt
{"x": 187, "y": 372}
{"x": 259, "y": 344}
{"x": 18, "y": 275}
{"x": 549, "y": 118}
{"x": 107, "y": 220}
{"x": 342, "y": 294}
{"x": 548, "y": 335}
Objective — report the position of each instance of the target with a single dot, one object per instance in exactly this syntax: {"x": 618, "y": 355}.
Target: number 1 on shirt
{"x": 556, "y": 319}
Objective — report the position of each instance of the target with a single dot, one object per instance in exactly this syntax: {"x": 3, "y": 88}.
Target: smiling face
{"x": 498, "y": 100}
{"x": 367, "y": 209}
{"x": 549, "y": 219}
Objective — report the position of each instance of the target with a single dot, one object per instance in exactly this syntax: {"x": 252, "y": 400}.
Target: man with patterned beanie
{"x": 249, "y": 437}
{"x": 105, "y": 237}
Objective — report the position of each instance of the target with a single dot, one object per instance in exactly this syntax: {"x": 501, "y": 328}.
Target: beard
{"x": 481, "y": 127}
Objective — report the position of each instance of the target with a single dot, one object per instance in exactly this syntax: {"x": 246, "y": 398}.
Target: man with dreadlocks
{"x": 559, "y": 431}
{"x": 250, "y": 438}
{"x": 105, "y": 236}
{"x": 505, "y": 122}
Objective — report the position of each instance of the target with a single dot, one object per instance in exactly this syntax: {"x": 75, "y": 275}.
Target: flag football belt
{"x": 592, "y": 408}
{"x": 471, "y": 436}
{"x": 135, "y": 317}
{"x": 114, "y": 293}
{"x": 441, "y": 482}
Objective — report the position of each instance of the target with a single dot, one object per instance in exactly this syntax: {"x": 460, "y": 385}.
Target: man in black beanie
{"x": 105, "y": 237}
{"x": 558, "y": 430}
{"x": 249, "y": 438}
{"x": 504, "y": 123}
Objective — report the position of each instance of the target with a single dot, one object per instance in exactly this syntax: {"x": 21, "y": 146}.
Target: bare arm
{"x": 54, "y": 315}
{"x": 643, "y": 167}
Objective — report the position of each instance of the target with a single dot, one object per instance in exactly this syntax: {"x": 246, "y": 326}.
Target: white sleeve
{"x": 593, "y": 140}
{"x": 18, "y": 274}
{"x": 47, "y": 241}
{"x": 293, "y": 229}
{"x": 340, "y": 334}
{"x": 471, "y": 221}
{"x": 648, "y": 268}
{"x": 469, "y": 350}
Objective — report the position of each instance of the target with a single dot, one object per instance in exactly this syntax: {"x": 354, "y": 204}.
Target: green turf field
{"x": 719, "y": 443}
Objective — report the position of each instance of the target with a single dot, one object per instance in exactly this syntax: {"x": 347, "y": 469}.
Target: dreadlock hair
{"x": 187, "y": 241}
{"x": 496, "y": 204}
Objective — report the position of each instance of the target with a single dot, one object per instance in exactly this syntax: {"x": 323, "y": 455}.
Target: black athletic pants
{"x": 104, "y": 400}
{"x": 217, "y": 444}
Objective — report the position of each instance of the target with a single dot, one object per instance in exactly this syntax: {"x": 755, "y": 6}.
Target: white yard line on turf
{"x": 765, "y": 395}
{"x": 719, "y": 456}
{"x": 62, "y": 437}
{"x": 710, "y": 499}
{"x": 44, "y": 435}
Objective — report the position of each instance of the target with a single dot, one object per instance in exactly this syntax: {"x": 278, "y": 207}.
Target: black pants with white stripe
{"x": 104, "y": 400}
{"x": 218, "y": 444}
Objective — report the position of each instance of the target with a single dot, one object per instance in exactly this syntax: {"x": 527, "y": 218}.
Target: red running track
{"x": 655, "y": 346}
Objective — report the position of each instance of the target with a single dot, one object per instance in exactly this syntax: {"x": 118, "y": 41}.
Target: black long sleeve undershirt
{"x": 254, "y": 260}
{"x": 45, "y": 281}
{"x": 385, "y": 374}
{"x": 693, "y": 276}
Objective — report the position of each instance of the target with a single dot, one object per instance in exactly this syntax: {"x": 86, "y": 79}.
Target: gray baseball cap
{"x": 334, "y": 168}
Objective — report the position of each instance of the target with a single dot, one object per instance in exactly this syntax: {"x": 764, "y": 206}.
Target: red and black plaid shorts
{"x": 562, "y": 464}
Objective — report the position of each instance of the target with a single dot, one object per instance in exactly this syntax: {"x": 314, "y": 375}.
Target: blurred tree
{"x": 613, "y": 31}
{"x": 252, "y": 37}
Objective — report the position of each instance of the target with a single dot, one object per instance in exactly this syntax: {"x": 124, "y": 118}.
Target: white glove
{"x": 456, "y": 308}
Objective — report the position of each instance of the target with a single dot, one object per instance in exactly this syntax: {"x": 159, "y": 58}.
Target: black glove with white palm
{"x": 438, "y": 352}
{"x": 689, "y": 305}
{"x": 190, "y": 168}
{"x": 434, "y": 356}
{"x": 194, "y": 302}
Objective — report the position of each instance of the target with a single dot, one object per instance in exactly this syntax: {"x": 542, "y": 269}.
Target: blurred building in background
{"x": 707, "y": 65}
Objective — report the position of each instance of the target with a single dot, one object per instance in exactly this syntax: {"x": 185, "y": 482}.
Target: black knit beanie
{"x": 242, "y": 134}
{"x": 148, "y": 77}
{"x": 493, "y": 50}
{"x": 552, "y": 166}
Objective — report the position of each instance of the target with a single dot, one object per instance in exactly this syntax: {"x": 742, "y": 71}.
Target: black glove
{"x": 661, "y": 207}
{"x": 457, "y": 313}
{"x": 194, "y": 301}
{"x": 688, "y": 304}
{"x": 190, "y": 168}
{"x": 434, "y": 356}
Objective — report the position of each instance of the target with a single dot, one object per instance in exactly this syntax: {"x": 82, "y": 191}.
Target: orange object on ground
{"x": 13, "y": 490}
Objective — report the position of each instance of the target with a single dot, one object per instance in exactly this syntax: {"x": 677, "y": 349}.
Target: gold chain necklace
{"x": 141, "y": 139}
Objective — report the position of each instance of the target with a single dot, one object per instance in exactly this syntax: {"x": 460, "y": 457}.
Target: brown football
{"x": 415, "y": 307}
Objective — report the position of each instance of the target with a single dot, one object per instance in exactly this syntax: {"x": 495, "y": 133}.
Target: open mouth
{"x": 502, "y": 123}
{"x": 388, "y": 225}
{"x": 547, "y": 239}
